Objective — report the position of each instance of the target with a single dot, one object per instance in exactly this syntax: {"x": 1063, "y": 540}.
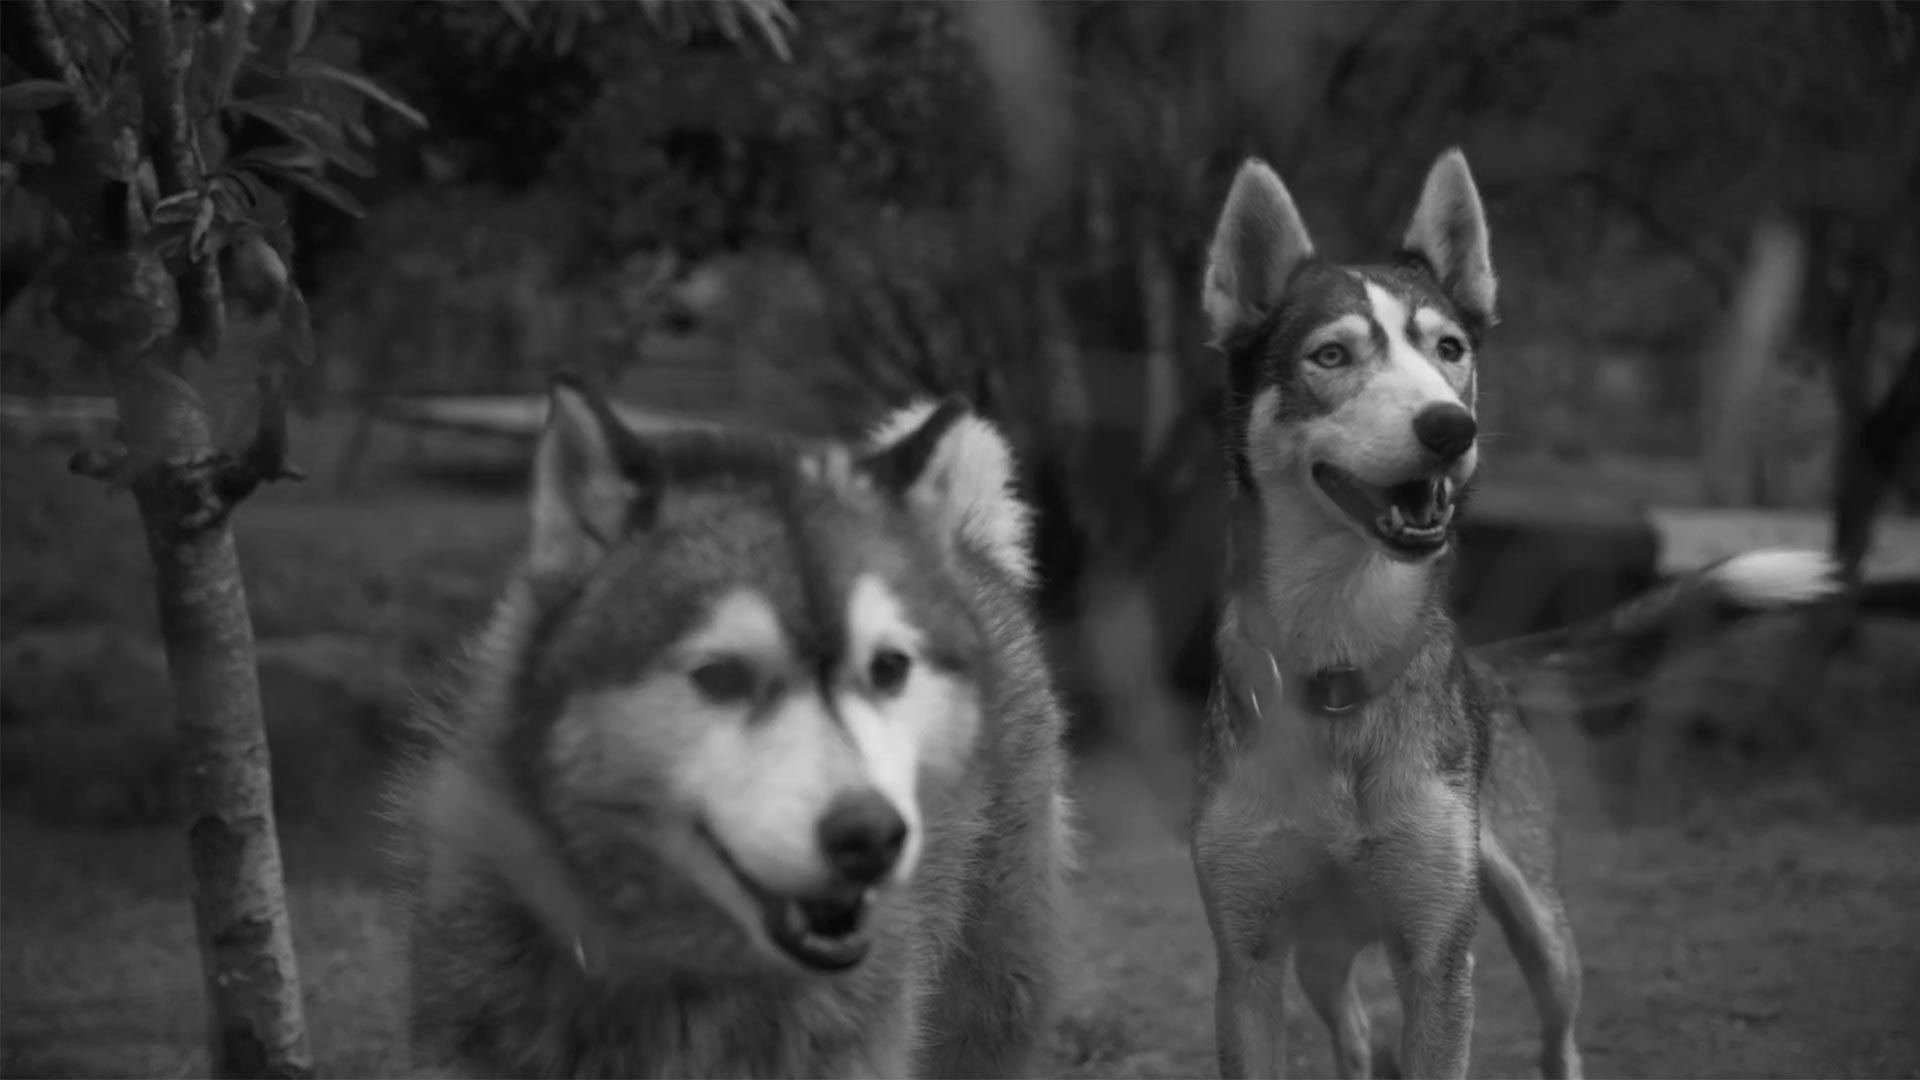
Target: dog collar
{"x": 1342, "y": 689}
{"x": 1334, "y": 691}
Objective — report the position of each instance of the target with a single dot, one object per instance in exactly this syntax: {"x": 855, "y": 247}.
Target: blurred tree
{"x": 1012, "y": 199}
{"x": 1687, "y": 123}
{"x": 129, "y": 112}
{"x": 165, "y": 136}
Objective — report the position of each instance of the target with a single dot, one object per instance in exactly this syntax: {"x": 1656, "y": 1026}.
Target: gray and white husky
{"x": 1365, "y": 777}
{"x": 757, "y": 770}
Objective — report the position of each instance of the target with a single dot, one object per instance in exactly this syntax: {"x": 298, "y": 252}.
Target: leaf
{"x": 283, "y": 156}
{"x": 35, "y": 95}
{"x": 258, "y": 203}
{"x": 175, "y": 209}
{"x": 110, "y": 19}
{"x": 258, "y": 63}
{"x": 297, "y": 321}
{"x": 517, "y": 11}
{"x": 310, "y": 129}
{"x": 327, "y": 192}
{"x": 303, "y": 13}
{"x": 307, "y": 68}
{"x": 775, "y": 22}
{"x": 235, "y": 22}
{"x": 201, "y": 243}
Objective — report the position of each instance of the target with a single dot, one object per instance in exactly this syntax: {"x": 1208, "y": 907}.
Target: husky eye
{"x": 1450, "y": 349}
{"x": 724, "y": 681}
{"x": 887, "y": 671}
{"x": 1331, "y": 355}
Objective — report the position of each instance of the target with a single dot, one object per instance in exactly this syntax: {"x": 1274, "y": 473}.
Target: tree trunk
{"x": 255, "y": 1021}
{"x": 1158, "y": 298}
{"x": 127, "y": 306}
{"x": 118, "y": 296}
{"x": 1856, "y": 290}
{"x": 1740, "y": 370}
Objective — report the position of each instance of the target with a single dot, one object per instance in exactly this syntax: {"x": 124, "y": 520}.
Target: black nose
{"x": 1446, "y": 429}
{"x": 862, "y": 835}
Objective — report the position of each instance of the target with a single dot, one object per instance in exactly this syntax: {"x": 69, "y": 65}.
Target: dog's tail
{"x": 1611, "y": 658}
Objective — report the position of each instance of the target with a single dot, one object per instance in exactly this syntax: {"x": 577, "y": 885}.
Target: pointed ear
{"x": 956, "y": 472}
{"x": 593, "y": 480}
{"x": 1256, "y": 247}
{"x": 1449, "y": 231}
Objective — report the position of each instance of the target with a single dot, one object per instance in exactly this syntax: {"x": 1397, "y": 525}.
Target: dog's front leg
{"x": 1425, "y": 880}
{"x": 1247, "y": 882}
{"x": 1249, "y": 1008}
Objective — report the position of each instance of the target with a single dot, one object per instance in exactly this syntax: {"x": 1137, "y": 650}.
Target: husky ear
{"x": 592, "y": 481}
{"x": 1449, "y": 231}
{"x": 1256, "y": 247}
{"x": 955, "y": 471}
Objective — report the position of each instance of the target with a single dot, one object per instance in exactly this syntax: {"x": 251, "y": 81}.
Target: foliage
{"x": 268, "y": 104}
{"x": 703, "y": 150}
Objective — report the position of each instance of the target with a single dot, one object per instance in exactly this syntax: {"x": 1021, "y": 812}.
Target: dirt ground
{"x": 1774, "y": 948}
{"x": 1767, "y": 929}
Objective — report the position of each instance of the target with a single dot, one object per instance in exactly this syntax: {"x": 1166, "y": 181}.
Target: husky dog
{"x": 757, "y": 770}
{"x": 1364, "y": 777}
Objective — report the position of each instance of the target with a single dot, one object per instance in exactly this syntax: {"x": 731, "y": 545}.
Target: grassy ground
{"x": 1767, "y": 931}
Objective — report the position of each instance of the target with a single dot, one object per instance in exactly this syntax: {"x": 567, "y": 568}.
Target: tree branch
{"x": 1893, "y": 422}
{"x": 82, "y": 160}
{"x": 1716, "y": 269}
{"x": 42, "y": 51}
{"x": 161, "y": 68}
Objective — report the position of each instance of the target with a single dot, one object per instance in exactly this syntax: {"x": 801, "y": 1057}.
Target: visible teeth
{"x": 1396, "y": 521}
{"x": 1443, "y": 495}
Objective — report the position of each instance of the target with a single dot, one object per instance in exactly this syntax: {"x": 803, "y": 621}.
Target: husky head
{"x": 753, "y": 667}
{"x": 1353, "y": 386}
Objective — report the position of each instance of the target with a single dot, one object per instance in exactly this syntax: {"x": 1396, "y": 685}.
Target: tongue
{"x": 1420, "y": 502}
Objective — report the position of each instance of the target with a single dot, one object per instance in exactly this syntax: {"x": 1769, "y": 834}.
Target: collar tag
{"x": 1336, "y": 691}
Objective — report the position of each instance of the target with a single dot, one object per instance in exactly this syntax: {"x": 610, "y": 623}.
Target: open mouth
{"x": 1409, "y": 519}
{"x": 822, "y": 931}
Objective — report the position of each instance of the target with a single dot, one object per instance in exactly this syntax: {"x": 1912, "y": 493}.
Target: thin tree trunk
{"x": 1852, "y": 310}
{"x": 1740, "y": 369}
{"x": 1158, "y": 298}
{"x": 255, "y": 1021}
{"x": 186, "y": 488}
{"x": 116, "y": 295}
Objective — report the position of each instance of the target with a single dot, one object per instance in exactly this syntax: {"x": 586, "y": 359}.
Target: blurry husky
{"x": 1364, "y": 777}
{"x": 756, "y": 772}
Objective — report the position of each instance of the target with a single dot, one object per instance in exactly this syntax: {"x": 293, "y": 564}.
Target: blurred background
{"x": 1706, "y": 222}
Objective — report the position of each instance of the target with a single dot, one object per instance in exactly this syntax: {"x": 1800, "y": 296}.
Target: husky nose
{"x": 1446, "y": 429}
{"x": 862, "y": 835}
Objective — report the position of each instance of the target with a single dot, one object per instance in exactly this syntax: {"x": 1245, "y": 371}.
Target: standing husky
{"x": 757, "y": 771}
{"x": 1363, "y": 776}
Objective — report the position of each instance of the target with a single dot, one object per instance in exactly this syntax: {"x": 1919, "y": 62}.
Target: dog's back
{"x": 754, "y": 773}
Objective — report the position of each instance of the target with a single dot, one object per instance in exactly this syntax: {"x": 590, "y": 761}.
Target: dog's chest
{"x": 1299, "y": 783}
{"x": 1337, "y": 781}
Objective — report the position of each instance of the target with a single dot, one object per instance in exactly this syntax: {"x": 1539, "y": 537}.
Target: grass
{"x": 1768, "y": 931}
{"x": 102, "y": 975}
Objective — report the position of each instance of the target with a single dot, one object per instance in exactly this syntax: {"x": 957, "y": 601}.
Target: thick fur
{"x": 563, "y": 833}
{"x": 1316, "y": 835}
